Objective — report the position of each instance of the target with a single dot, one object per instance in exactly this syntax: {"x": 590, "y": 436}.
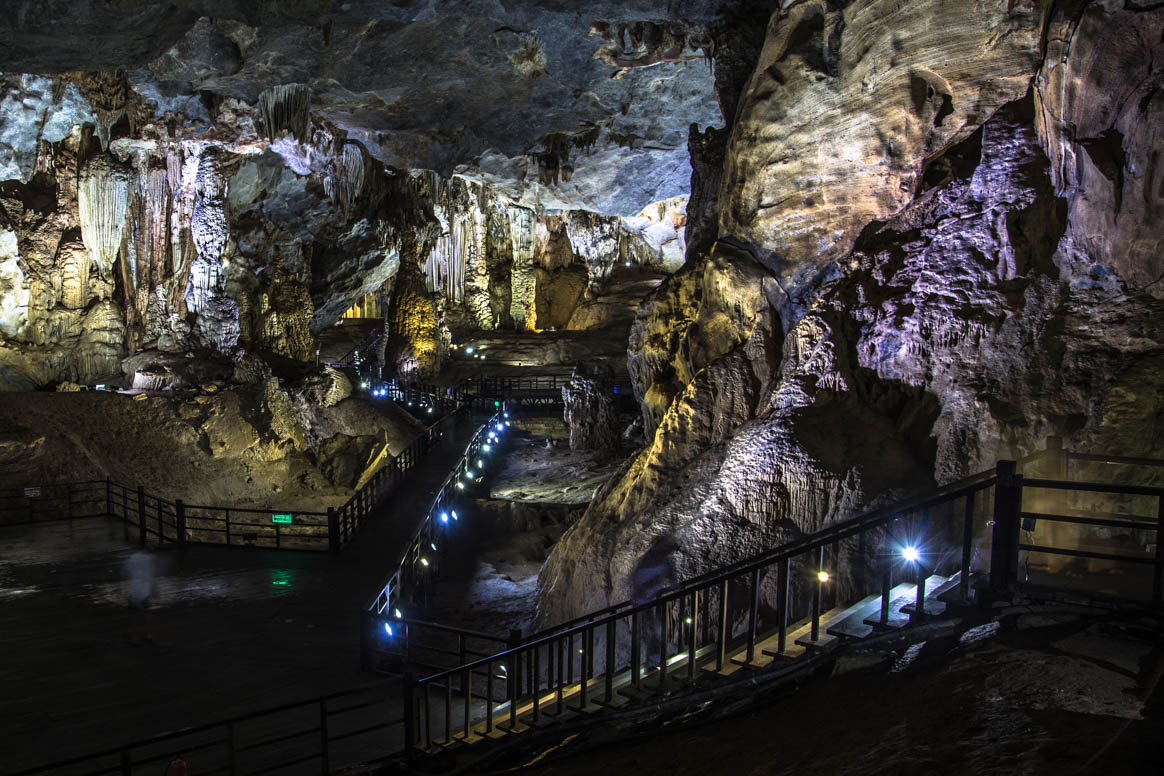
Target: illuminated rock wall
{"x": 937, "y": 246}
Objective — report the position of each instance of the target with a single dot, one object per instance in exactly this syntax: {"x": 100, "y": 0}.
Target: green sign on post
{"x": 284, "y": 518}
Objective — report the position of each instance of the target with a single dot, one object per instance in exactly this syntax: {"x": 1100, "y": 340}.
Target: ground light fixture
{"x": 388, "y": 628}
{"x": 444, "y": 517}
{"x": 469, "y": 475}
{"x": 911, "y": 554}
{"x": 424, "y": 561}
{"x": 397, "y": 613}
{"x": 500, "y": 427}
{"x": 455, "y": 515}
{"x": 822, "y": 575}
{"x": 487, "y": 447}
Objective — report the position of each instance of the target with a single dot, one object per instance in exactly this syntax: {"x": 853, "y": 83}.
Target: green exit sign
{"x": 280, "y": 518}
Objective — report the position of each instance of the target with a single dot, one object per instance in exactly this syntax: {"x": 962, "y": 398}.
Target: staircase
{"x": 962, "y": 549}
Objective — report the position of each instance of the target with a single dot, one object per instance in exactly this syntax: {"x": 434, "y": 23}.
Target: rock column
{"x": 589, "y": 410}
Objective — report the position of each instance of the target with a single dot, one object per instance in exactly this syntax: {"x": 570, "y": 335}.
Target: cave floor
{"x": 229, "y": 631}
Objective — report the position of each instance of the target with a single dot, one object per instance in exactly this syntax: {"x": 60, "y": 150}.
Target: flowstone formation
{"x": 938, "y": 243}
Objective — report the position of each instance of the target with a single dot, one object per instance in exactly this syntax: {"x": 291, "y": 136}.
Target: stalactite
{"x": 286, "y": 107}
{"x": 103, "y": 195}
{"x": 106, "y": 91}
{"x": 352, "y": 169}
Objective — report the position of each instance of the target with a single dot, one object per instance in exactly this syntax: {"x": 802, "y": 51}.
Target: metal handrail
{"x": 389, "y": 589}
{"x": 522, "y": 659}
{"x": 823, "y": 538}
{"x": 852, "y": 525}
{"x": 206, "y": 727}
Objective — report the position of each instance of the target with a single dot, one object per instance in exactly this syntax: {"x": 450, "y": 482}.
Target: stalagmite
{"x": 103, "y": 195}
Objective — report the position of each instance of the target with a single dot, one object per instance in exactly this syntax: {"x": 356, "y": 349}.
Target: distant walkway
{"x": 230, "y": 631}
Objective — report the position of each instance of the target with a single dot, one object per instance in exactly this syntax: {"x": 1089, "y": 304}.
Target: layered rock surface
{"x": 957, "y": 235}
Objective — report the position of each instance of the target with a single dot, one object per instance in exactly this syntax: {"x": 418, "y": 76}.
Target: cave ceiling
{"x": 557, "y": 104}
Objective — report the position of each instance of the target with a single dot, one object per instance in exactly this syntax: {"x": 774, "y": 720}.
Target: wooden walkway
{"x": 229, "y": 631}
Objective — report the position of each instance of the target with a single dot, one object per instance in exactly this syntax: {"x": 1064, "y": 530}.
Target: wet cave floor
{"x": 233, "y": 631}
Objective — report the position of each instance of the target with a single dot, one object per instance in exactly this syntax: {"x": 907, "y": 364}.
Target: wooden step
{"x": 935, "y": 605}
{"x": 900, "y": 609}
{"x": 854, "y": 625}
{"x": 899, "y": 597}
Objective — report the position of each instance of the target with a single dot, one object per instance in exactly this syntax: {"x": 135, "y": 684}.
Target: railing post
{"x": 1158, "y": 577}
{"x": 1008, "y": 497}
{"x": 753, "y": 615}
{"x": 721, "y": 647}
{"x": 783, "y": 583}
{"x": 141, "y": 515}
{"x": 967, "y": 547}
{"x": 636, "y": 649}
{"x": 180, "y": 520}
{"x": 109, "y": 496}
{"x": 513, "y": 674}
{"x": 333, "y": 534}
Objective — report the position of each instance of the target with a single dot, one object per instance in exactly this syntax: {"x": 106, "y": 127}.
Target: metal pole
{"x": 919, "y": 609}
{"x": 636, "y": 648}
{"x": 721, "y": 651}
{"x": 180, "y": 519}
{"x": 333, "y": 534}
{"x": 784, "y": 570}
{"x": 818, "y": 599}
{"x": 967, "y": 546}
{"x": 753, "y": 614}
{"x": 692, "y": 645}
{"x": 141, "y": 515}
{"x": 1158, "y": 579}
{"x": 1008, "y": 496}
{"x": 609, "y": 661}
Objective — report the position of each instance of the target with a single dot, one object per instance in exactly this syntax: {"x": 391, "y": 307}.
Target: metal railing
{"x": 416, "y": 563}
{"x": 308, "y": 737}
{"x": 360, "y": 355}
{"x": 702, "y": 622}
{"x": 44, "y": 503}
{"x": 970, "y": 528}
{"x": 153, "y": 518}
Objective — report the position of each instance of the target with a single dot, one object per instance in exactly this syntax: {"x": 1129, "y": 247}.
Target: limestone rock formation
{"x": 588, "y": 408}
{"x": 959, "y": 236}
{"x": 836, "y": 126}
